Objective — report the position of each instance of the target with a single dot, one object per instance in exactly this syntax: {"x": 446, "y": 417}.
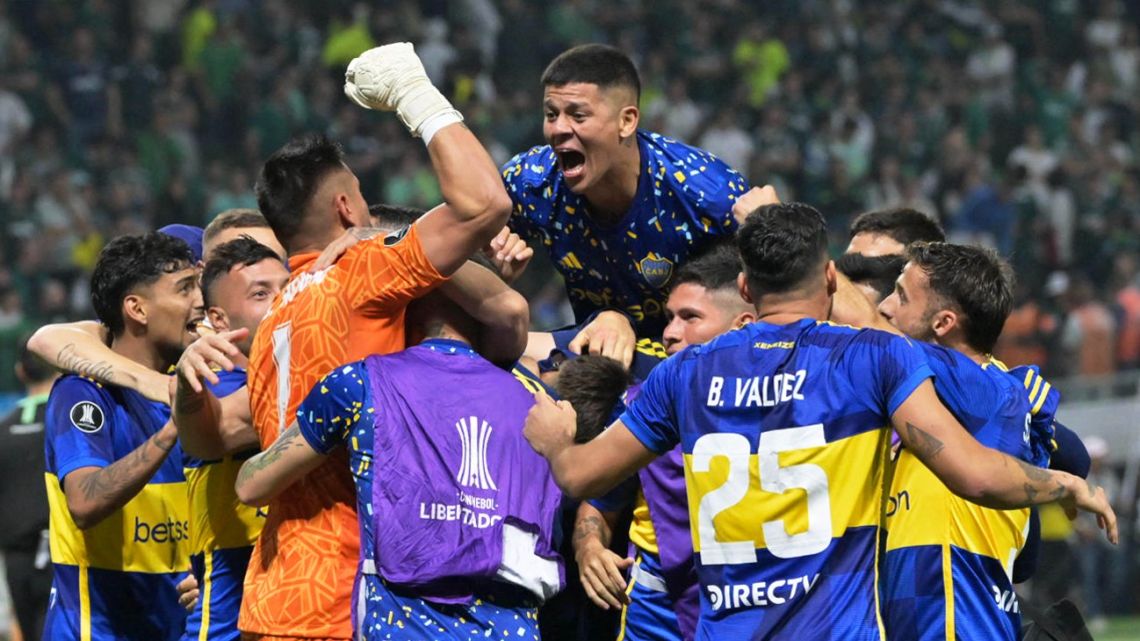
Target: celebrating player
{"x": 119, "y": 519}
{"x": 300, "y": 578}
{"x": 784, "y": 429}
{"x": 239, "y": 281}
{"x": 663, "y": 601}
{"x": 457, "y": 531}
{"x": 957, "y": 298}
{"x": 617, "y": 208}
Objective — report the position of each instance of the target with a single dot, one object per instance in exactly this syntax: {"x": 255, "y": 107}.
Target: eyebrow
{"x": 189, "y": 277}
{"x": 570, "y": 106}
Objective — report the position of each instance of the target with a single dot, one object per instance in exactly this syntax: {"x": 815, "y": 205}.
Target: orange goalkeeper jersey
{"x": 300, "y": 577}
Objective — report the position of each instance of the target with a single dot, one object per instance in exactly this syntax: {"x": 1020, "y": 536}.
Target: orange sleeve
{"x": 389, "y": 271}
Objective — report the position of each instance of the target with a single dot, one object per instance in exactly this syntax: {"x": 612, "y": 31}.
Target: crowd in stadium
{"x": 1012, "y": 122}
{"x": 364, "y": 438}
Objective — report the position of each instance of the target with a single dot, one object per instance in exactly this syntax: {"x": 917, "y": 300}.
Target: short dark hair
{"x": 714, "y": 267}
{"x": 781, "y": 245}
{"x": 392, "y": 218}
{"x": 595, "y": 64}
{"x": 878, "y": 272}
{"x": 593, "y": 384}
{"x": 36, "y": 369}
{"x": 975, "y": 280}
{"x": 290, "y": 177}
{"x": 242, "y": 250}
{"x": 128, "y": 262}
{"x": 234, "y": 219}
{"x": 902, "y": 224}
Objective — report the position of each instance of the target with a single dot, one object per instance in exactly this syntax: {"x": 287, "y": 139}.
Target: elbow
{"x": 979, "y": 491}
{"x": 249, "y": 494}
{"x": 83, "y": 516}
{"x": 39, "y": 344}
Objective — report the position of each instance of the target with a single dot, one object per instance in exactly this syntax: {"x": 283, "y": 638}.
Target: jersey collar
{"x": 448, "y": 346}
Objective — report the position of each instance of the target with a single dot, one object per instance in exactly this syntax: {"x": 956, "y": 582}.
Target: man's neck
{"x": 612, "y": 197}
{"x": 956, "y": 343}
{"x": 136, "y": 347}
{"x": 787, "y": 309}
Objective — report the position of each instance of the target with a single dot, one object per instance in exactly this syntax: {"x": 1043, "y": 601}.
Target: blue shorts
{"x": 649, "y": 615}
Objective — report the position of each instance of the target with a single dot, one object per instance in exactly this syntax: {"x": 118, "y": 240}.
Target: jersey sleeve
{"x": 1069, "y": 454}
{"x": 335, "y": 404}
{"x": 526, "y": 207}
{"x": 652, "y": 416}
{"x": 77, "y": 427}
{"x": 897, "y": 364}
{"x": 390, "y": 270}
{"x": 1043, "y": 403}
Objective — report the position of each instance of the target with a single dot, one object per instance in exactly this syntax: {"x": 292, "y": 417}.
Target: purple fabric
{"x": 451, "y": 467}
{"x": 663, "y": 483}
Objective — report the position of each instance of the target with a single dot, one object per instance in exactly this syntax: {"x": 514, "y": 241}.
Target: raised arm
{"x": 93, "y": 493}
{"x": 82, "y": 348}
{"x": 986, "y": 476}
{"x": 476, "y": 205}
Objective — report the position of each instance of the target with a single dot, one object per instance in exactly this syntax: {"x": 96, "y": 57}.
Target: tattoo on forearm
{"x": 925, "y": 446}
{"x": 1037, "y": 477}
{"x": 1030, "y": 492}
{"x": 586, "y": 527}
{"x": 104, "y": 484}
{"x": 70, "y": 361}
{"x": 289, "y": 439}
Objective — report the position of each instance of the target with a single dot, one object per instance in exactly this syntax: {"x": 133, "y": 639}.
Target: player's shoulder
{"x": 82, "y": 402}
{"x": 533, "y": 167}
{"x": 691, "y": 168}
{"x": 72, "y": 387}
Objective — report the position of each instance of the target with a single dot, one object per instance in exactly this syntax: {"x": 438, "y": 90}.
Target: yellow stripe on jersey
{"x": 218, "y": 520}
{"x": 948, "y": 590}
{"x": 84, "y": 605}
{"x": 207, "y": 589}
{"x": 1036, "y": 387}
{"x": 650, "y": 347}
{"x": 853, "y": 468}
{"x": 925, "y": 512}
{"x": 1041, "y": 399}
{"x": 150, "y": 534}
{"x": 641, "y": 532}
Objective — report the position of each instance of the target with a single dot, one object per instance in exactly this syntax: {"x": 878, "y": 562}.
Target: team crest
{"x": 87, "y": 417}
{"x": 656, "y": 270}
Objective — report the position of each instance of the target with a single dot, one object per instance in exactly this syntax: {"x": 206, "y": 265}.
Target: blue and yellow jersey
{"x": 684, "y": 198}
{"x": 1044, "y": 400}
{"x": 947, "y": 569}
{"x": 222, "y": 534}
{"x": 785, "y": 432}
{"x": 115, "y": 580}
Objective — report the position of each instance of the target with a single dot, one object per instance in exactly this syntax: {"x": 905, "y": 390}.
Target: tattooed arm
{"x": 95, "y": 492}
{"x": 264, "y": 476}
{"x": 598, "y": 567}
{"x": 82, "y": 348}
{"x": 986, "y": 476}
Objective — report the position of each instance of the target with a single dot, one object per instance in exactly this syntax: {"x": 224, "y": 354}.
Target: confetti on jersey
{"x": 684, "y": 199}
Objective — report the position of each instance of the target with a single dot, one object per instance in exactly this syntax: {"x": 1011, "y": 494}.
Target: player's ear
{"x": 218, "y": 319}
{"x": 628, "y": 118}
{"x": 344, "y": 211}
{"x": 742, "y": 285}
{"x": 832, "y": 277}
{"x": 744, "y": 318}
{"x": 134, "y": 308}
{"x": 944, "y": 321}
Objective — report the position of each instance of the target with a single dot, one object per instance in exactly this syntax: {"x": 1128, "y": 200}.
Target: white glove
{"x": 392, "y": 78}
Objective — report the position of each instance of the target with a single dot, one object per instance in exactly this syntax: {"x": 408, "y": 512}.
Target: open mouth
{"x": 571, "y": 162}
{"x": 195, "y": 324}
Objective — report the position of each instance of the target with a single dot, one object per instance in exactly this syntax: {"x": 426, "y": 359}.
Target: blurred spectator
{"x": 1012, "y": 123}
{"x": 1088, "y": 333}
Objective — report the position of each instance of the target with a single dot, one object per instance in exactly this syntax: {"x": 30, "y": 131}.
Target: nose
{"x": 673, "y": 336}
{"x": 887, "y": 307}
{"x": 559, "y": 126}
